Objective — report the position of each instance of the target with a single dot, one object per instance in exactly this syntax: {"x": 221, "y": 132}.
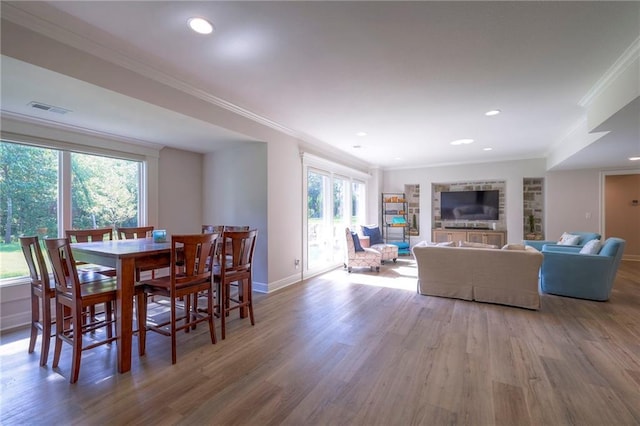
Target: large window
{"x": 334, "y": 201}
{"x": 102, "y": 192}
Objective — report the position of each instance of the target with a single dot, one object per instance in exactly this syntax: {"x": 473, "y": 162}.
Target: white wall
{"x": 510, "y": 171}
{"x": 571, "y": 196}
{"x": 235, "y": 193}
{"x": 179, "y": 192}
{"x": 284, "y": 213}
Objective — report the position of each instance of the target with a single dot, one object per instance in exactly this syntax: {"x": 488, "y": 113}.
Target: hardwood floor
{"x": 360, "y": 348}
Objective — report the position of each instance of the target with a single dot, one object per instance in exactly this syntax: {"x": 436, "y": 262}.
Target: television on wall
{"x": 469, "y": 205}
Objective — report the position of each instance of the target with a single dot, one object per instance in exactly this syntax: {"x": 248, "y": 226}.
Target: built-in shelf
{"x": 496, "y": 238}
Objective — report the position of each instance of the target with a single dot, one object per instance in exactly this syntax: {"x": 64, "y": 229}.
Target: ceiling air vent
{"x": 50, "y": 108}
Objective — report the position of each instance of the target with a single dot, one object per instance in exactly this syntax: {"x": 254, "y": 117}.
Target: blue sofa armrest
{"x": 576, "y": 275}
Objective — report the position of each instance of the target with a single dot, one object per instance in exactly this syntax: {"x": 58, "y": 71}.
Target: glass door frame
{"x": 333, "y": 171}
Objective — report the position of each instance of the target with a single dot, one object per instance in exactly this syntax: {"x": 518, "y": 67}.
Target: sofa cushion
{"x": 476, "y": 245}
{"x": 373, "y": 232}
{"x": 592, "y": 247}
{"x": 356, "y": 241}
{"x": 446, "y": 244}
{"x": 567, "y": 239}
{"x": 514, "y": 247}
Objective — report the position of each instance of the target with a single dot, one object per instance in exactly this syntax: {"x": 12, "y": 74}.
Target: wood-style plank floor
{"x": 361, "y": 349}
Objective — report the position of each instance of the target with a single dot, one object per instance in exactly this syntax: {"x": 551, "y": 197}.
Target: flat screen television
{"x": 469, "y": 205}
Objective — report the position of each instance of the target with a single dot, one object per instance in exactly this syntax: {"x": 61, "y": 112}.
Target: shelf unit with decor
{"x": 395, "y": 221}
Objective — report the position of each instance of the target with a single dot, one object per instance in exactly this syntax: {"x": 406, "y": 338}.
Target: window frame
{"x": 147, "y": 165}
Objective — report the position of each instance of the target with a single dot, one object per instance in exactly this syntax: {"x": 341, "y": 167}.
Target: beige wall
{"x": 622, "y": 215}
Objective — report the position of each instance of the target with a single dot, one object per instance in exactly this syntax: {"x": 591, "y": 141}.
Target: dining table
{"x": 125, "y": 256}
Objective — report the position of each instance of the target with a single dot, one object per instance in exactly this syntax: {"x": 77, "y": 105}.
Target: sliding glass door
{"x": 334, "y": 201}
{"x": 319, "y": 229}
{"x": 340, "y": 216}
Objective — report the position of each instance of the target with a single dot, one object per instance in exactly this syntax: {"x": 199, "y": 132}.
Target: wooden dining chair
{"x": 43, "y": 291}
{"x": 129, "y": 233}
{"x": 237, "y": 251}
{"x": 75, "y": 298}
{"x": 185, "y": 281}
{"x": 89, "y": 235}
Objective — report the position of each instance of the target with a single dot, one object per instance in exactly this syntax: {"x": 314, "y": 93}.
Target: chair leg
{"x": 108, "y": 316}
{"x": 250, "y": 300}
{"x": 46, "y": 331}
{"x": 92, "y": 315}
{"x": 60, "y": 323}
{"x": 35, "y": 313}
{"x": 141, "y": 308}
{"x": 242, "y": 288}
{"x": 173, "y": 329}
{"x": 187, "y": 312}
{"x": 77, "y": 347}
{"x": 212, "y": 328}
{"x": 223, "y": 310}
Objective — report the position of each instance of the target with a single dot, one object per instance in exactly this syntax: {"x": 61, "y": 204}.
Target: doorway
{"x": 621, "y": 206}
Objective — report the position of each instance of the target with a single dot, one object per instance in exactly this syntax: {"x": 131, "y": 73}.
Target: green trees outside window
{"x": 104, "y": 193}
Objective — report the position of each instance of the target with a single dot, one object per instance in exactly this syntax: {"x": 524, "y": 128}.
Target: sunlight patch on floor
{"x": 402, "y": 275}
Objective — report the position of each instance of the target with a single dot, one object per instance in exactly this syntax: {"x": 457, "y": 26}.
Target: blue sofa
{"x": 584, "y": 238}
{"x": 567, "y": 272}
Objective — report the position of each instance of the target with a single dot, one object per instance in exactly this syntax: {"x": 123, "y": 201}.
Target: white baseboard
{"x": 276, "y": 285}
{"x": 19, "y": 320}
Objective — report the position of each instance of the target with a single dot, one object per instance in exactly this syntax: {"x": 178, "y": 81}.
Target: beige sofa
{"x": 506, "y": 276}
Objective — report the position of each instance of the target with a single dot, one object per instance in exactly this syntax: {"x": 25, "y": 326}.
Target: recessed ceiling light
{"x": 487, "y": 149}
{"x": 462, "y": 142}
{"x": 361, "y": 134}
{"x": 357, "y": 146}
{"x": 492, "y": 112}
{"x": 398, "y": 158}
{"x": 634, "y": 158}
{"x": 200, "y": 25}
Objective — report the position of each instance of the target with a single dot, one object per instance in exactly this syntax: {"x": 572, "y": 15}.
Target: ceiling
{"x": 413, "y": 75}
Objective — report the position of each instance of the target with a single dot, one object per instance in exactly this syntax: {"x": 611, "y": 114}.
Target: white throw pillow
{"x": 569, "y": 239}
{"x": 592, "y": 247}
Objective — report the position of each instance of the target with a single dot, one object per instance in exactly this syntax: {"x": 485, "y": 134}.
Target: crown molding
{"x": 22, "y": 17}
{"x": 309, "y": 159}
{"x": 54, "y": 125}
{"x": 630, "y": 55}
